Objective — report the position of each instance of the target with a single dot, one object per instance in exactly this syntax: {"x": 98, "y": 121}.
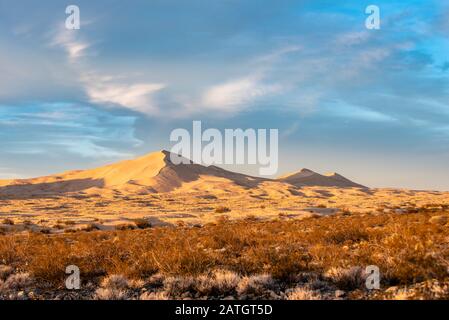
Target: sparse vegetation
{"x": 284, "y": 259}
{"x": 91, "y": 227}
{"x": 303, "y": 293}
{"x": 8, "y": 221}
{"x": 125, "y": 226}
{"x": 142, "y": 223}
{"x": 45, "y": 230}
{"x": 222, "y": 209}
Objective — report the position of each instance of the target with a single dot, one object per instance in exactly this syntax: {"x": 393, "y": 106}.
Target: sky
{"x": 370, "y": 104}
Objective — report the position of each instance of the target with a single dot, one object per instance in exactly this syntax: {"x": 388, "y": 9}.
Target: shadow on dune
{"x": 47, "y": 189}
{"x": 173, "y": 176}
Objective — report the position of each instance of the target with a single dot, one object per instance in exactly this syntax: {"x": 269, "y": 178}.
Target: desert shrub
{"x": 125, "y": 226}
{"x": 111, "y": 294}
{"x": 439, "y": 219}
{"x": 8, "y": 221}
{"x": 225, "y": 281}
{"x": 219, "y": 282}
{"x": 222, "y": 209}
{"x": 183, "y": 258}
{"x": 113, "y": 287}
{"x": 403, "y": 294}
{"x": 346, "y": 235}
{"x": 256, "y": 285}
{"x": 91, "y": 227}
{"x": 115, "y": 281}
{"x": 347, "y": 279}
{"x": 282, "y": 262}
{"x": 177, "y": 286}
{"x": 45, "y": 230}
{"x": 160, "y": 295}
{"x": 303, "y": 293}
{"x": 17, "y": 281}
{"x": 251, "y": 217}
{"x": 5, "y": 271}
{"x": 155, "y": 281}
{"x": 205, "y": 285}
{"x": 142, "y": 223}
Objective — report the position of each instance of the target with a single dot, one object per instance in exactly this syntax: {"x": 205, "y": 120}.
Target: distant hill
{"x": 306, "y": 177}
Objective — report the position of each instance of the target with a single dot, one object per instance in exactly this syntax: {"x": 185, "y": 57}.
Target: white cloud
{"x": 345, "y": 110}
{"x": 241, "y": 92}
{"x": 105, "y": 89}
{"x": 75, "y": 48}
{"x": 232, "y": 95}
{"x": 278, "y": 54}
{"x": 138, "y": 96}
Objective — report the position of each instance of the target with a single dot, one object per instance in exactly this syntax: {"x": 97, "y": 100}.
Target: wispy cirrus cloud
{"x": 66, "y": 128}
{"x": 70, "y": 41}
{"x": 236, "y": 94}
{"x": 135, "y": 96}
{"x": 103, "y": 89}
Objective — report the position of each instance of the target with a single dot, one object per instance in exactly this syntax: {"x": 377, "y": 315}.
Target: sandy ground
{"x": 191, "y": 205}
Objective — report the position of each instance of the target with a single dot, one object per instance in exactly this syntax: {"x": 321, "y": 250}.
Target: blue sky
{"x": 370, "y": 104}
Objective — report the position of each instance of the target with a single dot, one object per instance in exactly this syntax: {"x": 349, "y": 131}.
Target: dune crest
{"x": 307, "y": 177}
{"x": 154, "y": 173}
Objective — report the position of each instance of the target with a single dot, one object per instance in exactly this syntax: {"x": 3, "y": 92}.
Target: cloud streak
{"x": 73, "y": 46}
{"x": 236, "y": 94}
{"x": 102, "y": 89}
{"x": 135, "y": 96}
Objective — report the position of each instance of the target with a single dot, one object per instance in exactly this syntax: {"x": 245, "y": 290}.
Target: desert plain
{"x": 154, "y": 189}
{"x": 149, "y": 229}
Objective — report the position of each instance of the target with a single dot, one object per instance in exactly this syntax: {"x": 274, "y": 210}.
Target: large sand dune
{"x": 153, "y": 188}
{"x": 155, "y": 173}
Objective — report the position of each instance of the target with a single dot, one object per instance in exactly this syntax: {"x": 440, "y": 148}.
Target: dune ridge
{"x": 307, "y": 177}
{"x": 156, "y": 173}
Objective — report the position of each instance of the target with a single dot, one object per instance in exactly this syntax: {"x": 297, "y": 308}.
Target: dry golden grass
{"x": 407, "y": 248}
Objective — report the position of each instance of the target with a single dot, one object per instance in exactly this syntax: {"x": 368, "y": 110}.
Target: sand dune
{"x": 151, "y": 173}
{"x": 155, "y": 173}
{"x": 153, "y": 188}
{"x": 306, "y": 177}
